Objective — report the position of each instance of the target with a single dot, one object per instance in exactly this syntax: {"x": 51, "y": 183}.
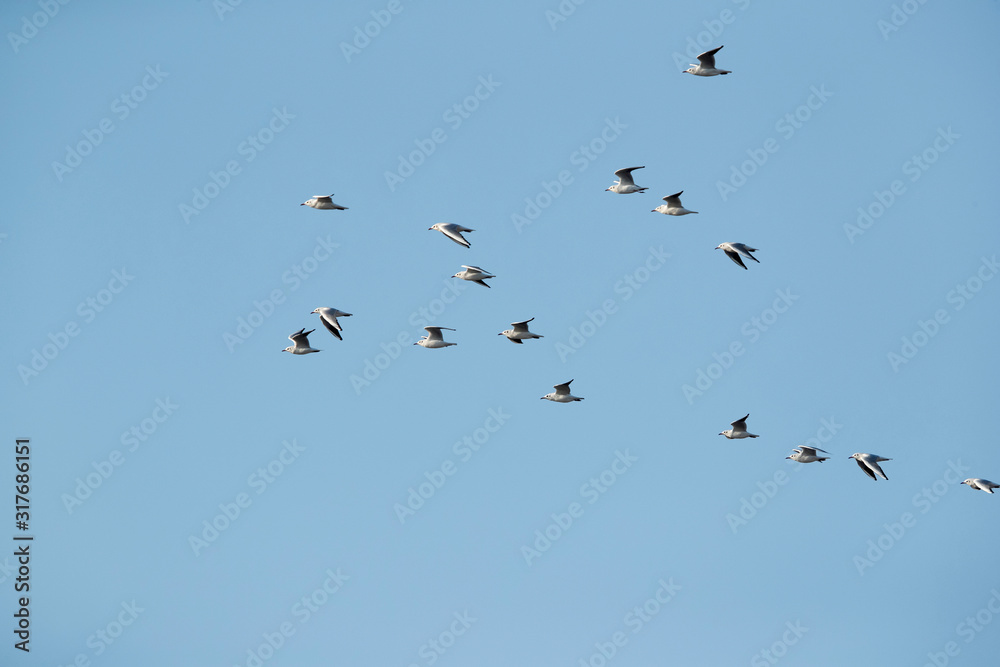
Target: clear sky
{"x": 199, "y": 498}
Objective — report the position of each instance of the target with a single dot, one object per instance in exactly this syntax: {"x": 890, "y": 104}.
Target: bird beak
{"x": 302, "y": 204}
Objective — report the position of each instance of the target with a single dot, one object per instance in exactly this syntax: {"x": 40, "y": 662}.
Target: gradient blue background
{"x": 556, "y": 85}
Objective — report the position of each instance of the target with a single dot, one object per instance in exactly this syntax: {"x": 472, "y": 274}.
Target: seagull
{"x": 739, "y": 430}
{"x": 805, "y": 454}
{"x": 734, "y": 250}
{"x": 433, "y": 338}
{"x": 301, "y": 340}
{"x": 452, "y": 231}
{"x": 328, "y": 316}
{"x": 706, "y": 65}
{"x": 520, "y": 332}
{"x": 869, "y": 463}
{"x": 625, "y": 184}
{"x": 561, "y": 393}
{"x": 981, "y": 484}
{"x": 319, "y": 201}
{"x": 475, "y": 274}
{"x": 673, "y": 206}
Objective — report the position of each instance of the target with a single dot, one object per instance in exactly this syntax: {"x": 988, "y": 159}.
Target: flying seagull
{"x": 520, "y": 332}
{"x": 319, "y": 201}
{"x": 869, "y": 463}
{"x": 981, "y": 484}
{"x": 475, "y": 274}
{"x": 673, "y": 206}
{"x": 433, "y": 338}
{"x": 561, "y": 394}
{"x": 328, "y": 316}
{"x": 805, "y": 454}
{"x": 734, "y": 250}
{"x": 452, "y": 231}
{"x": 706, "y": 65}
{"x": 301, "y": 340}
{"x": 625, "y": 184}
{"x": 739, "y": 430}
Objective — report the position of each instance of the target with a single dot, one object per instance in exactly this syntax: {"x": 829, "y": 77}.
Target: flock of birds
{"x": 519, "y": 332}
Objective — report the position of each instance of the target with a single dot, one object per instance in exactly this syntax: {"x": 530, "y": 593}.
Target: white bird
{"x": 328, "y": 316}
{"x": 869, "y": 463}
{"x": 452, "y": 231}
{"x": 739, "y": 430}
{"x": 625, "y": 184}
{"x": 981, "y": 484}
{"x": 804, "y": 454}
{"x": 706, "y": 65}
{"x": 561, "y": 394}
{"x": 734, "y": 250}
{"x": 319, "y": 201}
{"x": 434, "y": 338}
{"x": 520, "y": 332}
{"x": 475, "y": 274}
{"x": 301, "y": 340}
{"x": 673, "y": 206}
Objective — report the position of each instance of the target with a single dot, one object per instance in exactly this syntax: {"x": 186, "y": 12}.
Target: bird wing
{"x": 521, "y": 327}
{"x": 735, "y": 256}
{"x": 745, "y": 250}
{"x": 625, "y": 175}
{"x": 674, "y": 201}
{"x": 868, "y": 471}
{"x": 454, "y": 233}
{"x": 434, "y": 333}
{"x": 331, "y": 325}
{"x": 562, "y": 388}
{"x": 740, "y": 424}
{"x": 707, "y": 59}
{"x": 301, "y": 338}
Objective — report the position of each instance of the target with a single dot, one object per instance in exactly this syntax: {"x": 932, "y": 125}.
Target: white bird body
{"x": 561, "y": 394}
{"x": 328, "y": 316}
{"x": 734, "y": 250}
{"x": 673, "y": 206}
{"x": 981, "y": 484}
{"x": 625, "y": 184}
{"x": 474, "y": 274}
{"x": 434, "y": 338}
{"x": 738, "y": 430}
{"x": 805, "y": 454}
{"x": 301, "y": 340}
{"x": 870, "y": 464}
{"x": 519, "y": 332}
{"x": 323, "y": 202}
{"x": 706, "y": 65}
{"x": 452, "y": 231}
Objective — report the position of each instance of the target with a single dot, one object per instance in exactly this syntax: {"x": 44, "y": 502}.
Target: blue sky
{"x": 198, "y": 497}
